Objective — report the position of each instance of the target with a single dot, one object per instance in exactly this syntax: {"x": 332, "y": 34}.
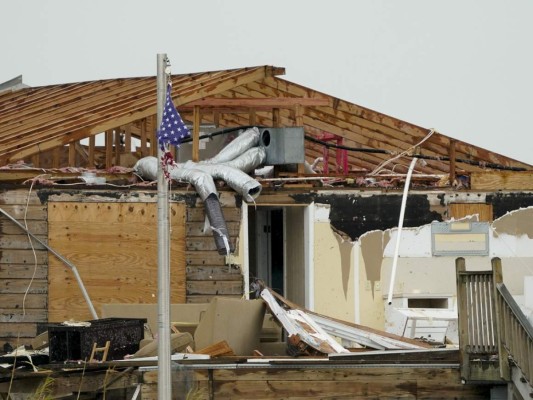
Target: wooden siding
{"x": 208, "y": 275}
{"x": 23, "y": 300}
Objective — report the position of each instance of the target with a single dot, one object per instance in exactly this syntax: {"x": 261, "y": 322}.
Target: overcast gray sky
{"x": 462, "y": 67}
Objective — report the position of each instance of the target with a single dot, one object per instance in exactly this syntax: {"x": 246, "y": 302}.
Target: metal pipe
{"x": 164, "y": 387}
{"x": 400, "y": 226}
{"x": 61, "y": 258}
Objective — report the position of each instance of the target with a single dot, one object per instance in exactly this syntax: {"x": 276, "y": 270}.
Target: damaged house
{"x": 348, "y": 215}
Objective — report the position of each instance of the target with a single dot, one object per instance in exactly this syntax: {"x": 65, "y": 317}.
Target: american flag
{"x": 172, "y": 129}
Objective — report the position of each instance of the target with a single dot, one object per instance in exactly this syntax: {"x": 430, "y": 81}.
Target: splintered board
{"x": 114, "y": 248}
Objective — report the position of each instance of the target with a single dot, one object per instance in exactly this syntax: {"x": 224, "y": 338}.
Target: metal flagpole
{"x": 164, "y": 385}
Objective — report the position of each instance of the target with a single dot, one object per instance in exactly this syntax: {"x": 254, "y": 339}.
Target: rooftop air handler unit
{"x": 283, "y": 145}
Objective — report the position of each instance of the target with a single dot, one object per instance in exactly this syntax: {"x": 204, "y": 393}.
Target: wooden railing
{"x": 478, "y": 328}
{"x": 493, "y": 330}
{"x": 516, "y": 334}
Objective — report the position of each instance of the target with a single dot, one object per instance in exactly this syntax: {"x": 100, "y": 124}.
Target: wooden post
{"x": 72, "y": 154}
{"x": 92, "y": 144}
{"x": 452, "y": 161}
{"x": 153, "y": 137}
{"x": 503, "y": 354}
{"x": 216, "y": 118}
{"x": 144, "y": 139}
{"x": 462, "y": 311}
{"x": 56, "y": 157}
{"x": 299, "y": 115}
{"x": 276, "y": 119}
{"x": 35, "y": 160}
{"x": 117, "y": 146}
{"x": 299, "y": 119}
{"x": 108, "y": 148}
{"x": 252, "y": 117}
{"x": 196, "y": 134}
{"x": 127, "y": 139}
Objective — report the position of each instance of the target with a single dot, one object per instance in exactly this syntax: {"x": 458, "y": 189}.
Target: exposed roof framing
{"x": 36, "y": 119}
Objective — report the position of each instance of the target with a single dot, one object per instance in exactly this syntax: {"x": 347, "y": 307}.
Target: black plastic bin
{"x": 72, "y": 343}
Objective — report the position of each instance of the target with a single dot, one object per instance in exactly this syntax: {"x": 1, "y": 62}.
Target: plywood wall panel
{"x": 114, "y": 247}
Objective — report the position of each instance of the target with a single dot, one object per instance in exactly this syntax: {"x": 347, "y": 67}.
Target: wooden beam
{"x": 196, "y": 134}
{"x": 153, "y": 136}
{"x": 276, "y": 118}
{"x": 127, "y": 138}
{"x": 56, "y": 157}
{"x": 144, "y": 138}
{"x": 108, "y": 148}
{"x": 35, "y": 160}
{"x": 298, "y": 115}
{"x": 272, "y": 102}
{"x": 92, "y": 145}
{"x": 108, "y": 117}
{"x": 252, "y": 117}
{"x": 452, "y": 160}
{"x": 117, "y": 146}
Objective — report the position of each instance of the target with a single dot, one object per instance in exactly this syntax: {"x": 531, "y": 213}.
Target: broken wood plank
{"x": 218, "y": 349}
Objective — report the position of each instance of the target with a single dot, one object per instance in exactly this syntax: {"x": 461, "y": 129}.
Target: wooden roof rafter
{"x": 55, "y": 120}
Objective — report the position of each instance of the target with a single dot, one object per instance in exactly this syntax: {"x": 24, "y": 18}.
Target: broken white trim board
{"x": 296, "y": 322}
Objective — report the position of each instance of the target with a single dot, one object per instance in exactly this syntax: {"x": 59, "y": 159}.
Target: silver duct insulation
{"x": 242, "y": 183}
{"x": 231, "y": 165}
{"x": 206, "y": 189}
{"x": 249, "y": 160}
{"x": 246, "y": 140}
{"x": 202, "y": 181}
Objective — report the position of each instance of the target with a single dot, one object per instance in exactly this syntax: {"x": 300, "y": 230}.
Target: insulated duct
{"x": 248, "y": 139}
{"x": 206, "y": 189}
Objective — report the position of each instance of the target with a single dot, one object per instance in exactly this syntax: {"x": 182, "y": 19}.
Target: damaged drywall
{"x": 334, "y": 281}
{"x": 516, "y": 223}
{"x": 372, "y": 247}
{"x": 345, "y": 251}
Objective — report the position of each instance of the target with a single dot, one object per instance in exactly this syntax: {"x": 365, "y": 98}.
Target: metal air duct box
{"x": 283, "y": 145}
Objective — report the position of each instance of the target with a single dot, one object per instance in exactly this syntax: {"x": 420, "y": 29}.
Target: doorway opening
{"x": 277, "y": 249}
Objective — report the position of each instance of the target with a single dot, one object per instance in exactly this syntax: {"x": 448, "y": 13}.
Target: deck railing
{"x": 516, "y": 333}
{"x": 492, "y": 328}
{"x": 478, "y": 328}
